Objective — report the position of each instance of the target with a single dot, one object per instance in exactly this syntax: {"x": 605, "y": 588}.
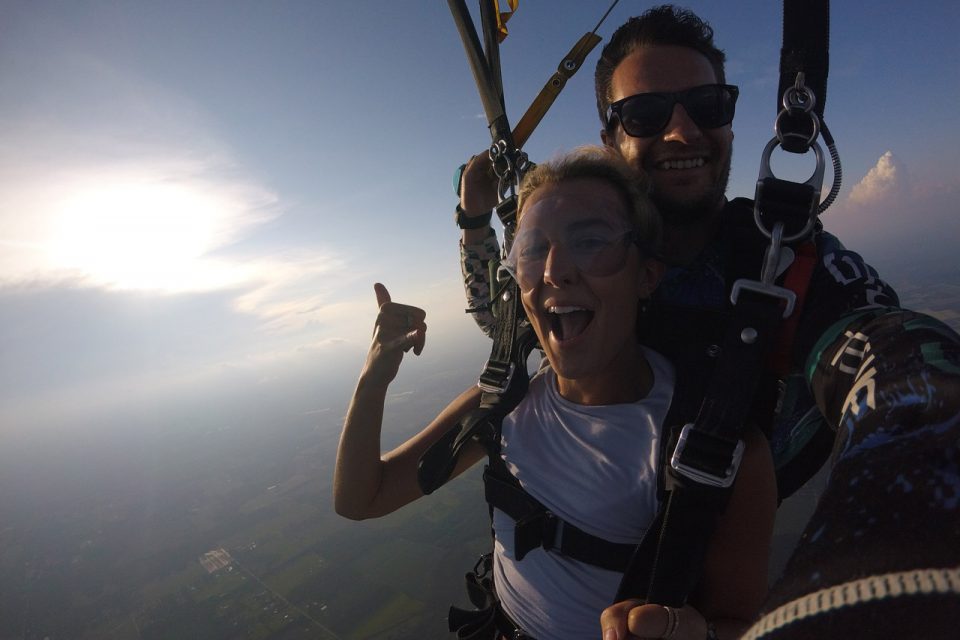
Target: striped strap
{"x": 907, "y": 583}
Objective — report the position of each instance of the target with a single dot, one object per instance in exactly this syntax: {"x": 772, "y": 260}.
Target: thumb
{"x": 383, "y": 296}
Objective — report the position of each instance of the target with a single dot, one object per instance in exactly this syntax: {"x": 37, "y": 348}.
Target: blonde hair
{"x": 602, "y": 163}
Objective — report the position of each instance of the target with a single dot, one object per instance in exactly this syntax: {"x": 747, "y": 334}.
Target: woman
{"x": 585, "y": 439}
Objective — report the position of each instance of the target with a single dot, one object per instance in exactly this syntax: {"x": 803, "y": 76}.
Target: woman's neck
{"x": 627, "y": 379}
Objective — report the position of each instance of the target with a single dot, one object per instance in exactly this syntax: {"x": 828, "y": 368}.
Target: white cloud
{"x": 294, "y": 289}
{"x": 886, "y": 180}
{"x": 893, "y": 220}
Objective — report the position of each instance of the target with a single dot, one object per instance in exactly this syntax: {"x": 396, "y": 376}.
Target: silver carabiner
{"x": 771, "y": 259}
{"x": 815, "y": 181}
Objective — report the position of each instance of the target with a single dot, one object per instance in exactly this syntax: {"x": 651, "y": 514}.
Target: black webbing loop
{"x": 806, "y": 47}
{"x": 806, "y": 42}
{"x": 792, "y": 203}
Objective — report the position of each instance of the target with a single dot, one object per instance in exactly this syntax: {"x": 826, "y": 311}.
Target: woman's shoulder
{"x": 664, "y": 376}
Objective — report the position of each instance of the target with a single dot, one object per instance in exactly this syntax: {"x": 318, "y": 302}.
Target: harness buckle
{"x": 483, "y": 566}
{"x": 706, "y": 450}
{"x": 496, "y": 376}
{"x": 772, "y": 290}
{"x": 541, "y": 529}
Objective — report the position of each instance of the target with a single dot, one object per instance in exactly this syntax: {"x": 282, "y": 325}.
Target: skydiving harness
{"x": 504, "y": 378}
{"x": 704, "y": 453}
{"x": 707, "y": 456}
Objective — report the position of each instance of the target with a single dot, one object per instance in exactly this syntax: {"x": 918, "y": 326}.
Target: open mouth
{"x": 567, "y": 323}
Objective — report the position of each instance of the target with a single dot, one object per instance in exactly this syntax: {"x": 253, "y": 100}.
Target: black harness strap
{"x": 537, "y": 526}
{"x": 705, "y": 460}
{"x": 487, "y": 77}
{"x": 806, "y": 45}
{"x": 504, "y": 382}
{"x": 488, "y": 621}
{"x": 707, "y": 457}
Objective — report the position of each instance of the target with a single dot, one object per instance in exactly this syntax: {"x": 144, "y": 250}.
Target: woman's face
{"x": 581, "y": 277}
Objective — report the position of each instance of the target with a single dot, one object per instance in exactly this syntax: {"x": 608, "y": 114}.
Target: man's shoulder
{"x": 738, "y": 210}
{"x": 827, "y": 242}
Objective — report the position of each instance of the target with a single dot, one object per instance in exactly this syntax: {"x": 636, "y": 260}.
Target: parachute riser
{"x": 786, "y": 212}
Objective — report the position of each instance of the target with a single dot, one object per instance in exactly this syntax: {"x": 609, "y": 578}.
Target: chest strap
{"x": 537, "y": 526}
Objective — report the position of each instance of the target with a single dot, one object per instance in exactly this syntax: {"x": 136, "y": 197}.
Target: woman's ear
{"x": 651, "y": 272}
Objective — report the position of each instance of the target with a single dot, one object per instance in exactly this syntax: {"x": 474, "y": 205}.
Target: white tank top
{"x": 593, "y": 466}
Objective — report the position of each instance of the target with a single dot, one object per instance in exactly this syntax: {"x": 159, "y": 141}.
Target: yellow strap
{"x": 568, "y": 66}
{"x": 502, "y": 17}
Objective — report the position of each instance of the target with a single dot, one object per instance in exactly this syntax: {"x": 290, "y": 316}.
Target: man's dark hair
{"x": 662, "y": 25}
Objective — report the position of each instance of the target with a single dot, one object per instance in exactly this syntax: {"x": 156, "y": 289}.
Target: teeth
{"x": 691, "y": 163}
{"x": 565, "y": 309}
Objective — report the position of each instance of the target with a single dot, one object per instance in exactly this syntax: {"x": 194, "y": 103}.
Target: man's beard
{"x": 679, "y": 213}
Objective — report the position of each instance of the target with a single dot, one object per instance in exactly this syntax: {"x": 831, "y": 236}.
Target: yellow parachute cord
{"x": 502, "y": 17}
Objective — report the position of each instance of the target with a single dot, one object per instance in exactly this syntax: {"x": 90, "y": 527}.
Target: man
{"x": 885, "y": 380}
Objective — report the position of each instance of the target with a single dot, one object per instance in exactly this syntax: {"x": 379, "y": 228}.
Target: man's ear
{"x": 606, "y": 138}
{"x": 651, "y": 272}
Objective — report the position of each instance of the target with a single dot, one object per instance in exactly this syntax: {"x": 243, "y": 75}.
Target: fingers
{"x": 632, "y": 619}
{"x": 399, "y": 326}
{"x": 419, "y": 340}
{"x": 614, "y": 619}
{"x": 402, "y": 343}
{"x": 478, "y": 188}
{"x": 383, "y": 296}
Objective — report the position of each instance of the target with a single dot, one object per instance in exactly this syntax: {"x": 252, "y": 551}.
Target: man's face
{"x": 688, "y": 166}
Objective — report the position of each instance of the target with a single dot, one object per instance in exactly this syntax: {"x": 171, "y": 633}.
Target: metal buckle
{"x": 766, "y": 289}
{"x": 699, "y": 475}
{"x": 494, "y": 386}
{"x": 541, "y": 529}
{"x": 482, "y": 567}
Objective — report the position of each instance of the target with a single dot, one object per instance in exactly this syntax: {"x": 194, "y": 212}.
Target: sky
{"x": 197, "y": 197}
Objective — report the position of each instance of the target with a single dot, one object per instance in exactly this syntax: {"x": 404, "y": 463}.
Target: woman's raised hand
{"x": 399, "y": 328}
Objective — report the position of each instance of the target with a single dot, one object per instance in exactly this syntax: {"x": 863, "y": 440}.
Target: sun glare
{"x": 147, "y": 234}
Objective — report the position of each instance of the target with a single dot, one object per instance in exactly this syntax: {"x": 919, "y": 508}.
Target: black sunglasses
{"x": 646, "y": 114}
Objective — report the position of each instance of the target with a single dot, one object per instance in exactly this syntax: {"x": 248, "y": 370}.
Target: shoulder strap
{"x": 705, "y": 460}
{"x": 504, "y": 382}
